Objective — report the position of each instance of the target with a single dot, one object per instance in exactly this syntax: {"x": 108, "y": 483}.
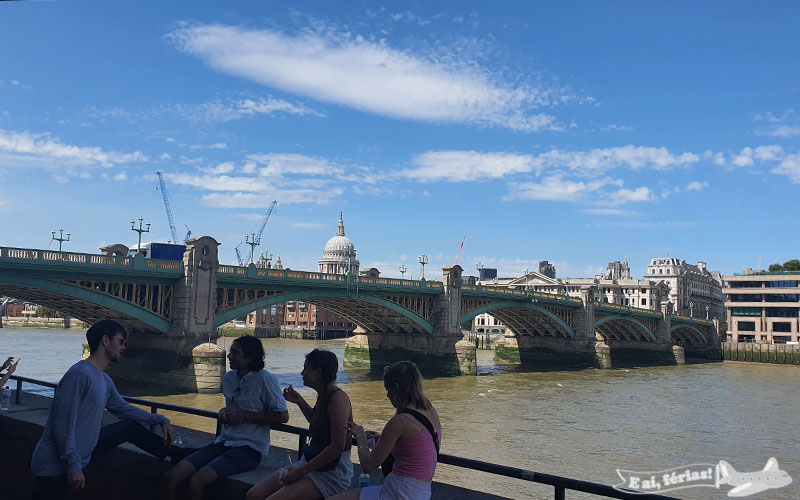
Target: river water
{"x": 578, "y": 424}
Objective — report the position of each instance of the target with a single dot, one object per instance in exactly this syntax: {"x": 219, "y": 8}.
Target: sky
{"x": 575, "y": 132}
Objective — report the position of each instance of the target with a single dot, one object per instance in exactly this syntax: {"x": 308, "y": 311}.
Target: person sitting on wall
{"x": 253, "y": 402}
{"x": 73, "y": 434}
{"x": 412, "y": 437}
{"x": 325, "y": 468}
{"x": 12, "y": 367}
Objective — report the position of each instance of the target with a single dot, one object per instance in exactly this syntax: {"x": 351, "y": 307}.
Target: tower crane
{"x": 256, "y": 236}
{"x": 165, "y": 196}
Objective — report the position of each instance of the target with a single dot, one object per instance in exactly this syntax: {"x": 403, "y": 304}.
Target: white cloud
{"x": 697, "y": 186}
{"x": 165, "y": 156}
{"x": 224, "y": 111}
{"x": 624, "y": 195}
{"x": 785, "y": 131}
{"x": 748, "y": 156}
{"x": 278, "y": 164}
{"x": 216, "y": 145}
{"x": 43, "y": 151}
{"x": 789, "y": 166}
{"x": 169, "y": 139}
{"x": 370, "y": 76}
{"x": 554, "y": 188}
{"x": 120, "y": 176}
{"x": 3, "y": 203}
{"x": 617, "y": 128}
{"x": 460, "y": 166}
{"x": 630, "y": 156}
{"x": 770, "y": 117}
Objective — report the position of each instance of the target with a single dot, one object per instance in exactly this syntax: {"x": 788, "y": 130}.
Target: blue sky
{"x": 574, "y": 132}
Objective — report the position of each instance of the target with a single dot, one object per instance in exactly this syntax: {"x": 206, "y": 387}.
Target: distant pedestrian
{"x": 412, "y": 437}
{"x": 12, "y": 366}
{"x": 253, "y": 402}
{"x": 325, "y": 468}
{"x": 73, "y": 434}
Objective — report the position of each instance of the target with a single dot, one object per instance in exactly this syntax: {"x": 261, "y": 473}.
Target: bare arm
{"x": 12, "y": 366}
{"x": 372, "y": 459}
{"x": 292, "y": 396}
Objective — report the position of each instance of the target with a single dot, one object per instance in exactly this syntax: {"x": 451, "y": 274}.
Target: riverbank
{"x": 26, "y": 322}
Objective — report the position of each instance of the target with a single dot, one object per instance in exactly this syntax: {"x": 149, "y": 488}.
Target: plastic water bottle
{"x": 363, "y": 480}
{"x": 6, "y": 400}
{"x": 178, "y": 441}
{"x": 287, "y": 464}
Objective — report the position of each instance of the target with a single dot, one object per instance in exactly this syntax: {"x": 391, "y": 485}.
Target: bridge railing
{"x": 248, "y": 272}
{"x": 693, "y": 319}
{"x": 84, "y": 259}
{"x": 521, "y": 292}
{"x": 560, "y": 484}
{"x": 617, "y": 307}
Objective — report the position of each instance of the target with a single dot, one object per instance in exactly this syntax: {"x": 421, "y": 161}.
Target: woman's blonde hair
{"x": 405, "y": 382}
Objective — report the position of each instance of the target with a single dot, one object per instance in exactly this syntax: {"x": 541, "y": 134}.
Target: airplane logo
{"x": 750, "y": 483}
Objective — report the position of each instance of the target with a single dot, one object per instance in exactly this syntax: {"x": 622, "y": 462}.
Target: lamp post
{"x": 60, "y": 238}
{"x": 402, "y": 270}
{"x": 140, "y": 231}
{"x": 423, "y": 259}
{"x": 706, "y": 311}
{"x": 251, "y": 240}
{"x": 691, "y": 309}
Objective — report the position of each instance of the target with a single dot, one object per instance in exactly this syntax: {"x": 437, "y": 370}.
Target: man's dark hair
{"x": 106, "y": 327}
{"x": 253, "y": 350}
{"x": 327, "y": 363}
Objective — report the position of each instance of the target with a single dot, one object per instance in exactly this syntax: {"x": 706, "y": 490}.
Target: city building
{"x": 694, "y": 290}
{"x": 547, "y": 269}
{"x": 763, "y": 307}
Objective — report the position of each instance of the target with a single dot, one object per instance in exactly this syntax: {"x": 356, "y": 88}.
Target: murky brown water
{"x": 578, "y": 424}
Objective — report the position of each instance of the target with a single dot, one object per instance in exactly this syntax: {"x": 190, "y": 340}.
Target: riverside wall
{"x": 783, "y": 354}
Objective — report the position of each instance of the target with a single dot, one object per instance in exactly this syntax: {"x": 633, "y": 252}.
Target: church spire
{"x": 340, "y": 230}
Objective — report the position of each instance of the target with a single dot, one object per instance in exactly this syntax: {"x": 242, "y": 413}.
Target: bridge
{"x": 173, "y": 308}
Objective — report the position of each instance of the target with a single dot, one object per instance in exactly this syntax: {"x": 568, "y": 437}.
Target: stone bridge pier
{"x": 442, "y": 353}
{"x": 187, "y": 358}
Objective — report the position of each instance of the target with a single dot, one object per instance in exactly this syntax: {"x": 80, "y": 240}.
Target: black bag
{"x": 386, "y": 466}
{"x": 312, "y": 450}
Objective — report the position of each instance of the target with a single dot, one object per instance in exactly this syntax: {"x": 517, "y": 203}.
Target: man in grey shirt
{"x": 253, "y": 402}
{"x": 73, "y": 433}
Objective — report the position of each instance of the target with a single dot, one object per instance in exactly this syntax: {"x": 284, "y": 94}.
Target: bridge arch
{"x": 469, "y": 316}
{"x": 675, "y": 329}
{"x": 52, "y": 293}
{"x": 627, "y": 319}
{"x": 309, "y": 295}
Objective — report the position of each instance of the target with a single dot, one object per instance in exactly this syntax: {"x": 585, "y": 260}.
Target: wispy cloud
{"x": 616, "y": 128}
{"x": 554, "y": 188}
{"x": 748, "y": 156}
{"x": 221, "y": 111}
{"x": 782, "y": 131}
{"x": 216, "y": 145}
{"x": 460, "y": 166}
{"x": 790, "y": 167}
{"x": 25, "y": 149}
{"x": 350, "y": 71}
{"x": 697, "y": 186}
{"x": 463, "y": 166}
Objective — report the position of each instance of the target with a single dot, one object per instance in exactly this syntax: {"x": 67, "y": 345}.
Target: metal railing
{"x": 560, "y": 484}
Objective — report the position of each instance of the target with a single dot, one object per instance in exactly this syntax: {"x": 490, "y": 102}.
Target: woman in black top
{"x": 325, "y": 469}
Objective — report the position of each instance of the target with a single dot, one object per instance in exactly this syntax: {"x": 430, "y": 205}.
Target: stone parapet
{"x": 434, "y": 355}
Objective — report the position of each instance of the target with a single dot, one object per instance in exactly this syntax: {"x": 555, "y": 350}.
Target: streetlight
{"x": 140, "y": 231}
{"x": 402, "y": 270}
{"x": 253, "y": 242}
{"x": 691, "y": 309}
{"x": 423, "y": 259}
{"x": 60, "y": 238}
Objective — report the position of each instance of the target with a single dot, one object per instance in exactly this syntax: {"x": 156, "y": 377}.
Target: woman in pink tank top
{"x": 406, "y": 436}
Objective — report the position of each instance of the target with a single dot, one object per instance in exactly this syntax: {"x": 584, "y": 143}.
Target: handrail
{"x": 560, "y": 484}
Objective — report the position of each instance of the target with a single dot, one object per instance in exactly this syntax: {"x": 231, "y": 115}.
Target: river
{"x": 578, "y": 424}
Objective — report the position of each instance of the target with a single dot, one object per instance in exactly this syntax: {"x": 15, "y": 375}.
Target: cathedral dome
{"x": 339, "y": 255}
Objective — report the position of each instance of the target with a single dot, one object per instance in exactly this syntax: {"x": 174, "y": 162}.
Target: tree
{"x": 789, "y": 265}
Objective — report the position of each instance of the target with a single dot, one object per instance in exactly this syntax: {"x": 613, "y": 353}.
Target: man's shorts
{"x": 225, "y": 460}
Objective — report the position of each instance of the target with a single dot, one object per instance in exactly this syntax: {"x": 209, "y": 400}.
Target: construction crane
{"x": 165, "y": 196}
{"x": 256, "y": 236}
